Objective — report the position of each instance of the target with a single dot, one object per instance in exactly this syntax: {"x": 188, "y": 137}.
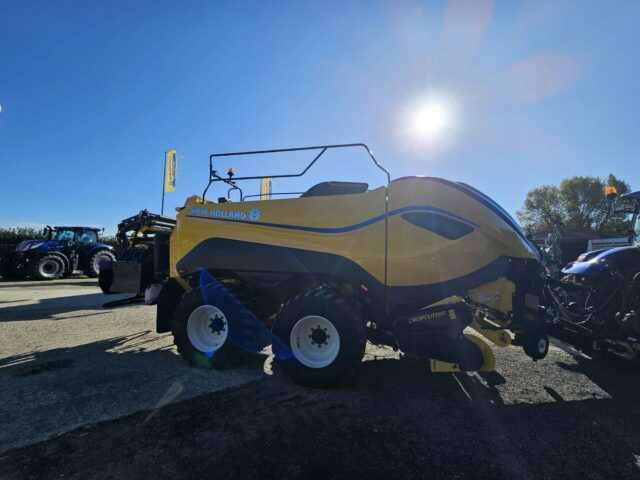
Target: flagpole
{"x": 164, "y": 179}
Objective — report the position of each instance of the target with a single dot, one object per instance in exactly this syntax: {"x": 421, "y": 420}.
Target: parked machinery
{"x": 61, "y": 251}
{"x": 595, "y": 301}
{"x": 410, "y": 265}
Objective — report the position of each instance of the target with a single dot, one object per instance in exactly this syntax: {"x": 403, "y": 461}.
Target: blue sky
{"x": 93, "y": 93}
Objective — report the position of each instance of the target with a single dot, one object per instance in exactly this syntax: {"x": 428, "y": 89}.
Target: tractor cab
{"x": 633, "y": 201}
{"x": 79, "y": 235}
{"x": 629, "y": 203}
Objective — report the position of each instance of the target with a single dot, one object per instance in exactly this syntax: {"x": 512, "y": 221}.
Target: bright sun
{"x": 431, "y": 120}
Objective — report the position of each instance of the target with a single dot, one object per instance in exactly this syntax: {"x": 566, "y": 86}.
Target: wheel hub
{"x": 542, "y": 345}
{"x": 207, "y": 328}
{"x": 217, "y": 324}
{"x": 319, "y": 336}
{"x": 50, "y": 267}
{"x": 315, "y": 341}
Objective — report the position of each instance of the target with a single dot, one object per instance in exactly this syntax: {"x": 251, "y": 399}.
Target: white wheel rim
{"x": 542, "y": 345}
{"x": 96, "y": 262}
{"x": 315, "y": 342}
{"x": 207, "y": 328}
{"x": 49, "y": 268}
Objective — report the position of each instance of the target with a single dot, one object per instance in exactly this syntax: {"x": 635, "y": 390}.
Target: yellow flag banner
{"x": 170, "y": 170}
{"x": 265, "y": 189}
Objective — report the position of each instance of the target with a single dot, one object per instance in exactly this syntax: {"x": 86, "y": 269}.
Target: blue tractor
{"x": 596, "y": 299}
{"x": 62, "y": 251}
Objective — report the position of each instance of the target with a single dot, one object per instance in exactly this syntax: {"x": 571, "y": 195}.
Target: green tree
{"x": 578, "y": 202}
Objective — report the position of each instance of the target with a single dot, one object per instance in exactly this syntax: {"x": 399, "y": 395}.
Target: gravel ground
{"x": 65, "y": 362}
{"x": 564, "y": 417}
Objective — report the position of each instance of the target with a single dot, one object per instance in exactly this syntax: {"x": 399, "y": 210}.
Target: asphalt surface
{"x": 92, "y": 393}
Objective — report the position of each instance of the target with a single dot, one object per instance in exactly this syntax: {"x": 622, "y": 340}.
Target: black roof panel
{"x": 631, "y": 196}
{"x": 78, "y": 228}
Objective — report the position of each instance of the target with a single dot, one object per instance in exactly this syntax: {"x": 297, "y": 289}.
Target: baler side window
{"x": 439, "y": 224}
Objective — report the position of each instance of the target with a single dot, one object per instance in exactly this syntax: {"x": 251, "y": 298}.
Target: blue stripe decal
{"x": 415, "y": 208}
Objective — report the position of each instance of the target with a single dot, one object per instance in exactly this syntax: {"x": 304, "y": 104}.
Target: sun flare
{"x": 430, "y": 121}
{"x": 432, "y": 118}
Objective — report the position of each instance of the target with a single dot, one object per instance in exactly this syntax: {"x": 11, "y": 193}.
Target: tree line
{"x": 579, "y": 203}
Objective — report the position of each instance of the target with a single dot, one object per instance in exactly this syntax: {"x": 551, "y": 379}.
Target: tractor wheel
{"x": 47, "y": 267}
{"x": 92, "y": 268}
{"x": 201, "y": 331}
{"x": 535, "y": 346}
{"x": 323, "y": 337}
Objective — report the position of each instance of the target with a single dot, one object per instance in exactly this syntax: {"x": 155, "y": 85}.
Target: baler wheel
{"x": 200, "y": 331}
{"x": 326, "y": 337}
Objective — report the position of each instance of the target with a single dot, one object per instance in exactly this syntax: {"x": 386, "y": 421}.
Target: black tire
{"x": 105, "y": 279}
{"x": 535, "y": 346}
{"x": 347, "y": 320}
{"x": 227, "y": 355}
{"x": 47, "y": 267}
{"x": 92, "y": 268}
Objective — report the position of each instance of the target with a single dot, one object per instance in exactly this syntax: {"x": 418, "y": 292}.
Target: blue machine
{"x": 62, "y": 251}
{"x": 597, "y": 300}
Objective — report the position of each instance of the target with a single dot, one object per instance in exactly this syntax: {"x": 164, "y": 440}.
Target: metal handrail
{"x": 214, "y": 177}
{"x": 271, "y": 194}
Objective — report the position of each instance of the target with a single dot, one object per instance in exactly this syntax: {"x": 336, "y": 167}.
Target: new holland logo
{"x": 254, "y": 214}
{"x": 205, "y": 212}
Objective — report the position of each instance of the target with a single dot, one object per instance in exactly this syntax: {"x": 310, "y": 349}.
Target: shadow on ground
{"x": 619, "y": 378}
{"x": 53, "y": 308}
{"x": 394, "y": 421}
{"x": 79, "y": 281}
{"x": 48, "y": 393}
{"x": 42, "y": 361}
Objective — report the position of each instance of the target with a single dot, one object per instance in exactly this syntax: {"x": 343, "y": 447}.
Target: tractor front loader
{"x": 143, "y": 255}
{"x": 410, "y": 265}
